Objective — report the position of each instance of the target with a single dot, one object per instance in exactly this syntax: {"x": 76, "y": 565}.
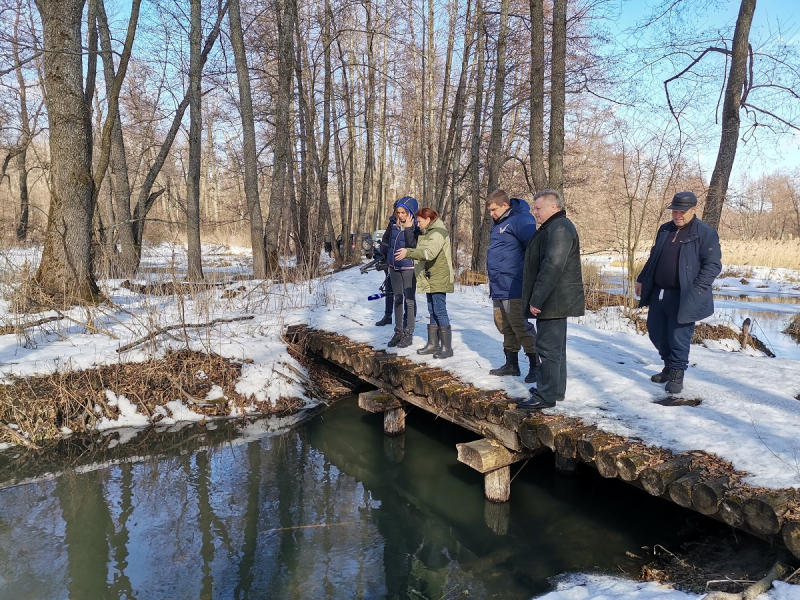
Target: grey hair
{"x": 554, "y": 193}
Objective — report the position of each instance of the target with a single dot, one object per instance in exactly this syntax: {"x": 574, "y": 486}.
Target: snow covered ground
{"x": 749, "y": 415}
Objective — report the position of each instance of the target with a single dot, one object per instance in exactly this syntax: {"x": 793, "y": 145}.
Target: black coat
{"x": 552, "y": 280}
{"x": 699, "y": 263}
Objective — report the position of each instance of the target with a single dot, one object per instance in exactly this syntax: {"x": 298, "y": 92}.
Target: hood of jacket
{"x": 518, "y": 205}
{"x": 409, "y": 203}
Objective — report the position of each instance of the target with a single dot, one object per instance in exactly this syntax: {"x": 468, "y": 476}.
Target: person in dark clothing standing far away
{"x": 403, "y": 233}
{"x": 552, "y": 290}
{"x": 433, "y": 265}
{"x": 513, "y": 228}
{"x": 676, "y": 284}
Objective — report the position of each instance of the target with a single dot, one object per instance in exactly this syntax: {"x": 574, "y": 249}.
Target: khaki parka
{"x": 433, "y": 263}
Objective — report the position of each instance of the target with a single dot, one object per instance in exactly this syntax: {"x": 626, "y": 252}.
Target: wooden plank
{"x": 487, "y": 455}
{"x": 497, "y": 485}
{"x": 394, "y": 421}
{"x": 378, "y": 401}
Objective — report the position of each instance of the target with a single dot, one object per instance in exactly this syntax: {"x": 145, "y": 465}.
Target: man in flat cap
{"x": 676, "y": 284}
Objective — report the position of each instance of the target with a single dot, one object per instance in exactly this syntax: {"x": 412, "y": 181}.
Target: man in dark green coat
{"x": 552, "y": 290}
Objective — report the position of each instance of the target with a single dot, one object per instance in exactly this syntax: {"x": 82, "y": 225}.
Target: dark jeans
{"x": 389, "y": 299}
{"x": 404, "y": 288}
{"x": 551, "y": 344}
{"x": 437, "y": 309}
{"x": 671, "y": 339}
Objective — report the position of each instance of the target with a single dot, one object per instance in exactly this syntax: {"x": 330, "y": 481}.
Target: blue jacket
{"x": 509, "y": 238}
{"x": 402, "y": 238}
{"x": 699, "y": 263}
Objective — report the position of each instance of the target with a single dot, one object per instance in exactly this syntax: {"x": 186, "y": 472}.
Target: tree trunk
{"x": 194, "y": 251}
{"x": 281, "y": 149}
{"x": 557, "y": 96}
{"x": 536, "y": 124}
{"x": 737, "y": 81}
{"x": 65, "y": 271}
{"x": 475, "y": 149}
{"x": 22, "y": 181}
{"x": 248, "y": 143}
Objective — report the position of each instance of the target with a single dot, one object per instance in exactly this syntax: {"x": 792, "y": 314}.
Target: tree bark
{"x": 477, "y": 128}
{"x": 737, "y": 81}
{"x": 536, "y": 124}
{"x": 248, "y": 142}
{"x": 65, "y": 271}
{"x": 558, "y": 96}
{"x": 194, "y": 251}
{"x": 281, "y": 149}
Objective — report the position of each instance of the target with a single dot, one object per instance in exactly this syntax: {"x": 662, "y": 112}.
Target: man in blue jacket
{"x": 514, "y": 227}
{"x": 676, "y": 284}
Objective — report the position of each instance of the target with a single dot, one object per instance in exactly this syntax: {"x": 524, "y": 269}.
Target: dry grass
{"x": 762, "y": 253}
{"x": 793, "y": 329}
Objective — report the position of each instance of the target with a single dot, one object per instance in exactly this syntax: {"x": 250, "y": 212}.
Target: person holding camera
{"x": 402, "y": 234}
{"x": 435, "y": 276}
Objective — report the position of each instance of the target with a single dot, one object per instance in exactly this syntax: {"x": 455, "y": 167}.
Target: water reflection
{"x": 332, "y": 509}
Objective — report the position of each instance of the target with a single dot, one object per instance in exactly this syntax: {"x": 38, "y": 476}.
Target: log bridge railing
{"x": 692, "y": 479}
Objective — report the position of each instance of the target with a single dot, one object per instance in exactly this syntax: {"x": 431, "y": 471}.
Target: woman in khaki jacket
{"x": 433, "y": 265}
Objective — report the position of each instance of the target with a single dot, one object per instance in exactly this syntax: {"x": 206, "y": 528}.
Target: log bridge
{"x": 693, "y": 480}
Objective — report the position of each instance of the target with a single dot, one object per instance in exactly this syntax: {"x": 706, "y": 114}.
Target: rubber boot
{"x": 405, "y": 339}
{"x": 661, "y": 377}
{"x": 386, "y": 320}
{"x": 398, "y": 334}
{"x": 446, "y": 339}
{"x": 433, "y": 341}
{"x": 534, "y": 362}
{"x": 675, "y": 383}
{"x": 510, "y": 368}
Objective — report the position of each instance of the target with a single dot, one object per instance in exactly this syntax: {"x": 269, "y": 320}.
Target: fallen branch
{"x": 194, "y": 400}
{"x": 16, "y": 435}
{"x": 755, "y": 590}
{"x": 160, "y": 330}
{"x": 6, "y": 329}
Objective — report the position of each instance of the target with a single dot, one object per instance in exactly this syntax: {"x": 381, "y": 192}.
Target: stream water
{"x": 329, "y": 509}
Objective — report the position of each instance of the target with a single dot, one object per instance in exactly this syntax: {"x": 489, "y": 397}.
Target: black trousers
{"x": 551, "y": 344}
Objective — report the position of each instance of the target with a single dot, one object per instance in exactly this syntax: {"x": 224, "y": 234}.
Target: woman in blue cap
{"x": 402, "y": 233}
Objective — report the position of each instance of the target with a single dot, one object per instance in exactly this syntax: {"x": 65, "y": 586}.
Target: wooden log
{"x": 442, "y": 395}
{"x": 497, "y": 516}
{"x": 629, "y": 466}
{"x": 566, "y": 442}
{"x": 378, "y": 401}
{"x": 548, "y": 430}
{"x": 589, "y": 446}
{"x": 765, "y": 512}
{"x": 606, "y": 460}
{"x": 409, "y": 378}
{"x": 708, "y": 493}
{"x": 378, "y": 361}
{"x": 791, "y": 536}
{"x": 456, "y": 397}
{"x": 513, "y": 418}
{"x": 731, "y": 509}
{"x": 527, "y": 434}
{"x": 394, "y": 421}
{"x": 655, "y": 479}
{"x": 565, "y": 464}
{"x": 497, "y": 484}
{"x": 468, "y": 400}
{"x": 680, "y": 490}
{"x": 480, "y": 409}
{"x": 496, "y": 411}
{"x": 488, "y": 455}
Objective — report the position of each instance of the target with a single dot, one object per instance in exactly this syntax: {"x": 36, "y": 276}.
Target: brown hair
{"x": 498, "y": 197}
{"x": 427, "y": 213}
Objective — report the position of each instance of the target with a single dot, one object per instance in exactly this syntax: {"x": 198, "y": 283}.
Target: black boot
{"x": 433, "y": 341}
{"x": 398, "y": 334}
{"x": 534, "y": 362}
{"x": 446, "y": 338}
{"x": 675, "y": 383}
{"x": 405, "y": 339}
{"x": 663, "y": 376}
{"x": 511, "y": 367}
{"x": 386, "y": 320}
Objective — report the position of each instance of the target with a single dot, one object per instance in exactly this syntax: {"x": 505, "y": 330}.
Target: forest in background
{"x": 276, "y": 124}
